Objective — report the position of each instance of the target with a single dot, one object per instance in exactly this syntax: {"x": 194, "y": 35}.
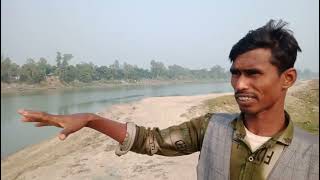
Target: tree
{"x": 65, "y": 60}
{"x": 104, "y": 72}
{"x": 177, "y": 72}
{"x": 69, "y": 74}
{"x": 9, "y": 70}
{"x": 129, "y": 72}
{"x": 85, "y": 72}
{"x": 307, "y": 74}
{"x": 218, "y": 73}
{"x": 59, "y": 59}
{"x": 116, "y": 71}
{"x": 95, "y": 75}
{"x": 143, "y": 73}
{"x": 65, "y": 72}
{"x": 158, "y": 70}
{"x": 31, "y": 73}
{"x": 44, "y": 66}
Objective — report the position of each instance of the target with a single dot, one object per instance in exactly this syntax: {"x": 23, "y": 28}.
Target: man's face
{"x": 256, "y": 82}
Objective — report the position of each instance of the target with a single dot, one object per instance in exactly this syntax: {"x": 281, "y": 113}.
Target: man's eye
{"x": 252, "y": 73}
{"x": 235, "y": 72}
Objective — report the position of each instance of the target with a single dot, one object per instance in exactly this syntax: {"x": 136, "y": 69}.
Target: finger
{"x": 64, "y": 134}
{"x": 24, "y": 119}
{"x": 32, "y": 114}
{"x": 27, "y": 119}
{"x": 25, "y": 111}
{"x": 41, "y": 124}
{"x": 20, "y": 111}
{"x": 38, "y": 116}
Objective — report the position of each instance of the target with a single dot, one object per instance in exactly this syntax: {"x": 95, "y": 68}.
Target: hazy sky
{"x": 194, "y": 34}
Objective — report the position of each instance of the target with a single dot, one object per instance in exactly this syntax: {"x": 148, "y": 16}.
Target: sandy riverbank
{"x": 90, "y": 155}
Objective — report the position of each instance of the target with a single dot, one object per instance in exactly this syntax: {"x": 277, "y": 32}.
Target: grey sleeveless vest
{"x": 300, "y": 160}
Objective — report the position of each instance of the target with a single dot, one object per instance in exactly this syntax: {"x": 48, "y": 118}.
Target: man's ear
{"x": 289, "y": 78}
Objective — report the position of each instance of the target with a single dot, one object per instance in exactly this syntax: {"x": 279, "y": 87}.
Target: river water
{"x": 15, "y": 135}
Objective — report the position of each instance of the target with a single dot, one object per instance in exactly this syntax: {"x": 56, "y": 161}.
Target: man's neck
{"x": 266, "y": 123}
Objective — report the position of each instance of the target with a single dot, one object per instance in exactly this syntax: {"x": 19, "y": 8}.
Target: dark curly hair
{"x": 275, "y": 36}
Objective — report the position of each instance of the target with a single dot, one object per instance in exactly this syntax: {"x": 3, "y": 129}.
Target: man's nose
{"x": 241, "y": 84}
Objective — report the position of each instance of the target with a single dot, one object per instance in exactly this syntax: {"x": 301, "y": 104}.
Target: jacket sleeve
{"x": 182, "y": 139}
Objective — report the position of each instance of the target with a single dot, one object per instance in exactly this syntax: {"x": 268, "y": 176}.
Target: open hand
{"x": 69, "y": 123}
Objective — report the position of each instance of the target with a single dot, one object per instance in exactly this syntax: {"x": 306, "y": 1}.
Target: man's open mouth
{"x": 245, "y": 99}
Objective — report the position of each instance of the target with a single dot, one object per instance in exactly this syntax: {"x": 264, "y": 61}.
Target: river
{"x": 15, "y": 135}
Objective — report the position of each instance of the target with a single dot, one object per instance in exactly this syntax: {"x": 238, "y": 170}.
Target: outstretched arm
{"x": 74, "y": 122}
{"x": 182, "y": 139}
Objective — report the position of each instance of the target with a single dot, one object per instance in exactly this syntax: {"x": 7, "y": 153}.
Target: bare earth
{"x": 88, "y": 154}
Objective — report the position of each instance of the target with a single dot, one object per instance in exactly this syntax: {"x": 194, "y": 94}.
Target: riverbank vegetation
{"x": 42, "y": 75}
{"x": 33, "y": 72}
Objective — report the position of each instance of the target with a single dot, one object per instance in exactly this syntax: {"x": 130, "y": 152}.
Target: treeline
{"x": 36, "y": 71}
{"x": 307, "y": 74}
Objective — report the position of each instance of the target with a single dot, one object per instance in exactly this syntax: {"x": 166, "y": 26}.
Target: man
{"x": 259, "y": 143}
